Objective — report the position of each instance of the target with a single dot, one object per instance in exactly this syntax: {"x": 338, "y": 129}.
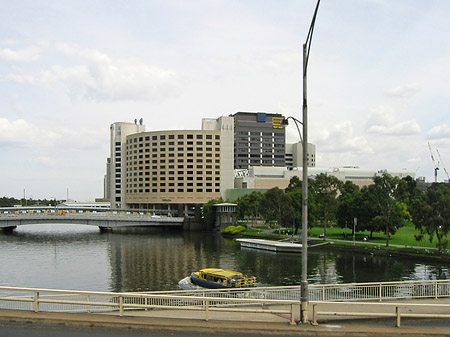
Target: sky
{"x": 378, "y": 80}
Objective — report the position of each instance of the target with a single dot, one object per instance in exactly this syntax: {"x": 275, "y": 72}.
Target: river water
{"x": 80, "y": 257}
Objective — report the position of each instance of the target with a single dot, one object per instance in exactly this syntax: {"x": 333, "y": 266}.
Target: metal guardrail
{"x": 279, "y": 300}
{"x": 372, "y": 291}
{"x": 51, "y": 300}
{"x": 371, "y": 310}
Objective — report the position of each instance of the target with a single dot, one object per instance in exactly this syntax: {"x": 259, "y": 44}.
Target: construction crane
{"x": 443, "y": 166}
{"x": 436, "y": 167}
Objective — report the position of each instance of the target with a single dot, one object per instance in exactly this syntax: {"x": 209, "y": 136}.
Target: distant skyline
{"x": 378, "y": 88}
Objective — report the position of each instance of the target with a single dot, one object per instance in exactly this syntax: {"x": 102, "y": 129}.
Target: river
{"x": 80, "y": 257}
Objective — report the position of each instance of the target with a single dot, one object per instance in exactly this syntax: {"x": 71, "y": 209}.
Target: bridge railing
{"x": 379, "y": 291}
{"x": 50, "y": 300}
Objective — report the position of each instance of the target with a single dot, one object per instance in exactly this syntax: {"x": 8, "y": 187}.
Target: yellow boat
{"x": 220, "y": 278}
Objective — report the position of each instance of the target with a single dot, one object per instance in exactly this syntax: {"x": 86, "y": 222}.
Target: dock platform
{"x": 274, "y": 246}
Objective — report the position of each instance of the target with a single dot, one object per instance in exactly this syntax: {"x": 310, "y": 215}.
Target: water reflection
{"x": 80, "y": 257}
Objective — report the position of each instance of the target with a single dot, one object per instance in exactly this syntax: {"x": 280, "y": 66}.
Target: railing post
{"x": 36, "y": 301}
{"x": 121, "y": 305}
{"x": 397, "y": 312}
{"x": 323, "y": 293}
{"x": 292, "y": 322}
{"x": 146, "y": 303}
{"x": 206, "y": 310}
{"x": 380, "y": 290}
{"x": 89, "y": 303}
{"x": 436, "y": 289}
{"x": 314, "y": 319}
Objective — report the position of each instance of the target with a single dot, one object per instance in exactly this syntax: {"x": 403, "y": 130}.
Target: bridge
{"x": 12, "y": 217}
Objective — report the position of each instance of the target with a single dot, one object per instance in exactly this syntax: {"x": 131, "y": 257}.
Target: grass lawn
{"x": 404, "y": 236}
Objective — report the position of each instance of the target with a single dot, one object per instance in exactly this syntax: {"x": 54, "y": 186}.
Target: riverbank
{"x": 406, "y": 250}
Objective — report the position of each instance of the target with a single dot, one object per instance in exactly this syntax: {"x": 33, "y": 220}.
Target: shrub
{"x": 233, "y": 230}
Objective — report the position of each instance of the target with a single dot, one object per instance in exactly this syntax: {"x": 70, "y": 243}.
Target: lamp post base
{"x": 304, "y": 312}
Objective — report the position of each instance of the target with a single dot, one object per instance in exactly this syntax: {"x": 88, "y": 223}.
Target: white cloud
{"x": 45, "y": 161}
{"x": 382, "y": 121}
{"x": 95, "y": 76}
{"x": 25, "y": 134}
{"x": 28, "y": 54}
{"x": 341, "y": 139}
{"x": 439, "y": 132}
{"x": 22, "y": 133}
{"x": 406, "y": 90}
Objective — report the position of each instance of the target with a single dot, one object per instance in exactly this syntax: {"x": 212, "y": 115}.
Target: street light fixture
{"x": 285, "y": 122}
{"x": 304, "y": 292}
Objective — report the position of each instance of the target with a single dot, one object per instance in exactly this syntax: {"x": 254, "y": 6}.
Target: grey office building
{"x": 259, "y": 140}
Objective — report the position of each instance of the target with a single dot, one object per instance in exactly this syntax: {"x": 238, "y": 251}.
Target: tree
{"x": 407, "y": 191}
{"x": 248, "y": 206}
{"x": 295, "y": 193}
{"x": 209, "y": 216}
{"x": 276, "y": 206}
{"x": 294, "y": 184}
{"x": 326, "y": 189}
{"x": 349, "y": 205}
{"x": 390, "y": 213}
{"x": 431, "y": 214}
{"x": 366, "y": 212}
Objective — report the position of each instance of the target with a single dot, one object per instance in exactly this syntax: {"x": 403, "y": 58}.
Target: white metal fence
{"x": 50, "y": 300}
{"x": 279, "y": 300}
{"x": 379, "y": 291}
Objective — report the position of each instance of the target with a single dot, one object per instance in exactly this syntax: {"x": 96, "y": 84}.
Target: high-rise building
{"x": 117, "y": 175}
{"x": 294, "y": 155}
{"x": 173, "y": 170}
{"x": 259, "y": 140}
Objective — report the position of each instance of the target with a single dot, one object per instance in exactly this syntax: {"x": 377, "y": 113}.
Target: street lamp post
{"x": 304, "y": 293}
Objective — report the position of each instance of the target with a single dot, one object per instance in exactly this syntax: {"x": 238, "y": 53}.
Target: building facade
{"x": 116, "y": 170}
{"x": 174, "y": 171}
{"x": 259, "y": 140}
{"x": 294, "y": 155}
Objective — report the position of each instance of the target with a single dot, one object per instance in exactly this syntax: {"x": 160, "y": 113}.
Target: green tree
{"x": 366, "y": 212}
{"x": 295, "y": 193}
{"x": 294, "y": 184}
{"x": 348, "y": 205}
{"x": 249, "y": 205}
{"x": 390, "y": 213}
{"x": 431, "y": 214}
{"x": 276, "y": 206}
{"x": 407, "y": 191}
{"x": 326, "y": 189}
{"x": 209, "y": 216}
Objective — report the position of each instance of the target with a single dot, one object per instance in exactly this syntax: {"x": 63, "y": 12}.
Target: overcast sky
{"x": 378, "y": 80}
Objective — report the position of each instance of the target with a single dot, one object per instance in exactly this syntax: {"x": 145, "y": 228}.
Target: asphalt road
{"x": 12, "y": 329}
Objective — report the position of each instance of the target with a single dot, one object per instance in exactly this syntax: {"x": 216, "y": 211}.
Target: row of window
{"x": 172, "y": 190}
{"x": 260, "y": 133}
{"x": 179, "y": 136}
{"x": 179, "y": 173}
{"x": 172, "y": 184}
{"x": 258, "y": 145}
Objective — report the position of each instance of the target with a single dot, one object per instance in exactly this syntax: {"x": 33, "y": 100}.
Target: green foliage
{"x": 209, "y": 216}
{"x": 248, "y": 206}
{"x": 276, "y": 207}
{"x": 388, "y": 212}
{"x": 233, "y": 230}
{"x": 10, "y": 202}
{"x": 349, "y": 205}
{"x": 431, "y": 214}
{"x": 326, "y": 189}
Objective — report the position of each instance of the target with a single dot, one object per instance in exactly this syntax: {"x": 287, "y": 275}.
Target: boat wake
{"x": 186, "y": 284}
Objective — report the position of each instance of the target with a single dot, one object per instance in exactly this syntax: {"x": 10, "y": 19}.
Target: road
{"x": 14, "y": 329}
